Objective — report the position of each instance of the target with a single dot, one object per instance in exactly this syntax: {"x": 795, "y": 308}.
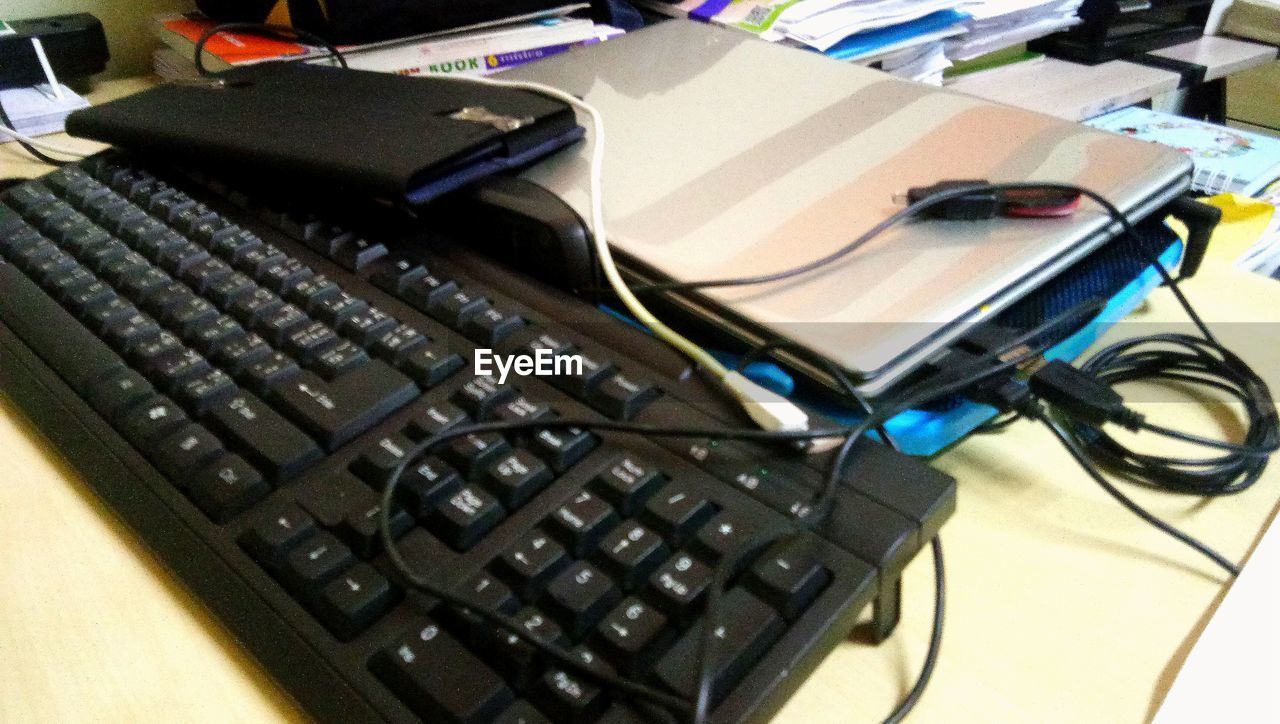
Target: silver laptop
{"x": 728, "y": 156}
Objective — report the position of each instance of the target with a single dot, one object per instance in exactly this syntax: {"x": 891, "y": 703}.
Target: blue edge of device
{"x": 924, "y": 432}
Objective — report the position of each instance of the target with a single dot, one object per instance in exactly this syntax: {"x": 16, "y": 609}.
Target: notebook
{"x": 730, "y": 157}
{"x": 1227, "y": 160}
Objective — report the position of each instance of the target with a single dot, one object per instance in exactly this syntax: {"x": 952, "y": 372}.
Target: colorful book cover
{"x": 1225, "y": 159}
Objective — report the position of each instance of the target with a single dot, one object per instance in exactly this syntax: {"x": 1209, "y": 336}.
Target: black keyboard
{"x": 238, "y": 377}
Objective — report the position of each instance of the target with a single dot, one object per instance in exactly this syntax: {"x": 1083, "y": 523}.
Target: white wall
{"x": 125, "y": 22}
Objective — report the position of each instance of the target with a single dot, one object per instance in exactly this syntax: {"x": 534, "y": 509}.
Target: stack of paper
{"x": 38, "y": 110}
{"x": 903, "y": 35}
{"x": 997, "y": 24}
{"x": 923, "y": 63}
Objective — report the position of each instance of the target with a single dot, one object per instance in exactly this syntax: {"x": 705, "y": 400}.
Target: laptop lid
{"x": 727, "y": 156}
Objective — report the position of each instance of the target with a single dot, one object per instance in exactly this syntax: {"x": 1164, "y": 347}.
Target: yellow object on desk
{"x": 1062, "y": 606}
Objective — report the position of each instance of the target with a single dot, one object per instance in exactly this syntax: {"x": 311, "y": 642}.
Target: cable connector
{"x": 1081, "y": 396}
{"x": 768, "y": 409}
{"x": 981, "y": 203}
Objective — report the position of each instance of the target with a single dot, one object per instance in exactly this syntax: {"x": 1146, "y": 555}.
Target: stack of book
{"x": 475, "y": 50}
{"x": 917, "y": 39}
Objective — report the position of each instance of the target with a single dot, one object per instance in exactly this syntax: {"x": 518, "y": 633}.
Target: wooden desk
{"x": 1068, "y": 90}
{"x": 1062, "y": 607}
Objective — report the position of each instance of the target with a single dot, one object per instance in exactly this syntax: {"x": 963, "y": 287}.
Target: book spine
{"x": 492, "y": 62}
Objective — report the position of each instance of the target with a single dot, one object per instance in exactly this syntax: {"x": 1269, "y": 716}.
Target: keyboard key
{"x": 627, "y": 482}
{"x": 480, "y": 395}
{"x": 226, "y": 487}
{"x": 354, "y": 600}
{"x": 515, "y": 478}
{"x": 727, "y": 535}
{"x": 315, "y": 562}
{"x": 583, "y": 520}
{"x": 184, "y": 450}
{"x": 742, "y": 639}
{"x": 269, "y": 371}
{"x": 569, "y": 697}
{"x": 377, "y": 462}
{"x": 427, "y": 291}
{"x": 679, "y": 583}
{"x": 362, "y": 528}
{"x": 579, "y": 596}
{"x": 365, "y": 326}
{"x": 788, "y": 577}
{"x": 356, "y": 253}
{"x": 563, "y": 447}
{"x": 677, "y": 511}
{"x": 430, "y": 364}
{"x": 339, "y": 359}
{"x": 309, "y": 341}
{"x": 397, "y": 273}
{"x": 522, "y": 409}
{"x": 335, "y": 412}
{"x": 435, "y": 419}
{"x": 581, "y": 380}
{"x": 490, "y": 327}
{"x": 396, "y": 345}
{"x": 277, "y": 324}
{"x": 262, "y": 435}
{"x": 456, "y": 307}
{"x": 631, "y": 552}
{"x": 201, "y": 392}
{"x": 119, "y": 392}
{"x": 275, "y": 532}
{"x": 439, "y": 678}
{"x": 632, "y": 634}
{"x": 532, "y": 562}
{"x": 472, "y": 452}
{"x": 156, "y": 417}
{"x": 466, "y": 516}
{"x": 425, "y": 484}
{"x": 335, "y": 310}
{"x": 621, "y": 397}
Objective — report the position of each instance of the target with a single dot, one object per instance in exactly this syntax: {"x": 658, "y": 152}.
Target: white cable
{"x": 768, "y": 409}
{"x": 42, "y": 145}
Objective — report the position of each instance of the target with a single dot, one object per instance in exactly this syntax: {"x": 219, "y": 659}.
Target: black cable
{"x": 1185, "y": 360}
{"x": 935, "y": 639}
{"x": 37, "y": 153}
{"x": 272, "y": 31}
{"x": 1081, "y": 457}
{"x": 980, "y": 370}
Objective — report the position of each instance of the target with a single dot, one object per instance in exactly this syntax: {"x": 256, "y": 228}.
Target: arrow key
{"x": 354, "y": 600}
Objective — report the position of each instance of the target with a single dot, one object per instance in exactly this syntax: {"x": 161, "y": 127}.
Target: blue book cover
{"x": 1227, "y": 160}
{"x": 861, "y": 45}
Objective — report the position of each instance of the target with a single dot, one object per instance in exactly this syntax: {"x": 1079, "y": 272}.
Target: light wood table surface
{"x": 1075, "y": 91}
{"x": 1220, "y": 57}
{"x": 1068, "y": 90}
{"x": 1062, "y": 607}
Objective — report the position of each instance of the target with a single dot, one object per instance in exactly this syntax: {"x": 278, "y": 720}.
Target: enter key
{"x": 338, "y": 410}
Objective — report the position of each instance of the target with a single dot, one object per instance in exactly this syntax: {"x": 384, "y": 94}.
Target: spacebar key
{"x": 337, "y": 411}
{"x": 271, "y": 442}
